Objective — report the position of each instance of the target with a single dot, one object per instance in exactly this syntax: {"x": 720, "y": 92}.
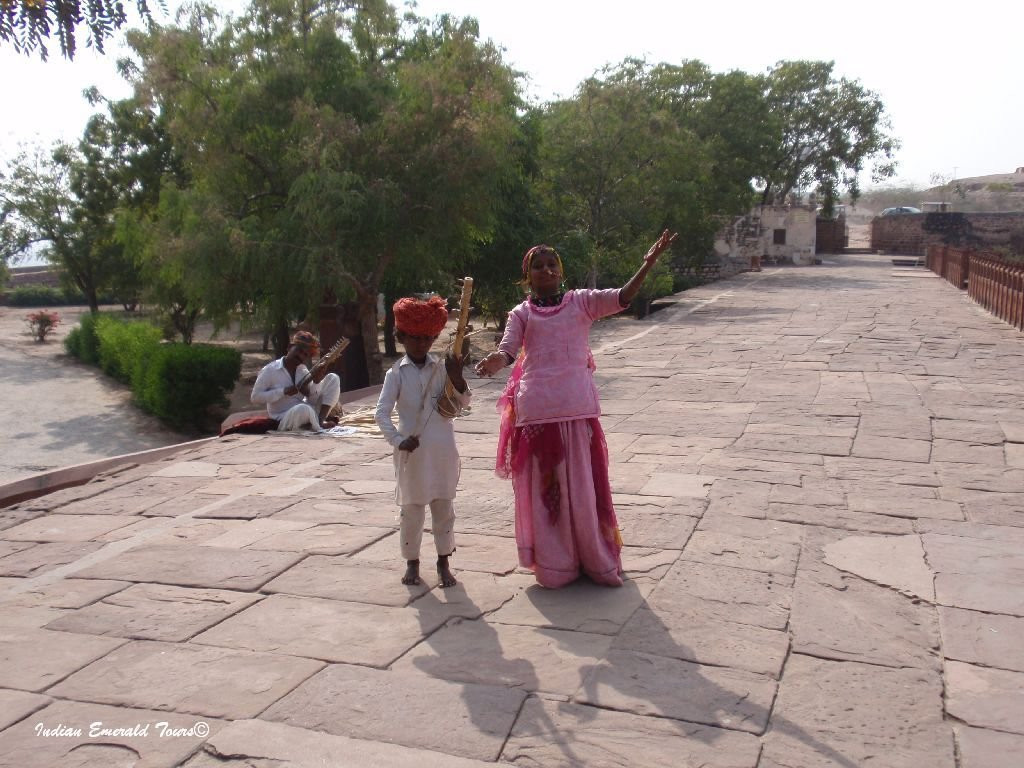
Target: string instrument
{"x": 325, "y": 360}
{"x": 447, "y": 404}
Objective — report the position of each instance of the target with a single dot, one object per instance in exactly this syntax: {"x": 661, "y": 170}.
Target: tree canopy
{"x": 308, "y": 152}
{"x": 29, "y": 24}
{"x": 828, "y": 129}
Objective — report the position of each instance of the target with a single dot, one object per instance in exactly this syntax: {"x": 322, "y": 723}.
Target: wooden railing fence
{"x": 992, "y": 281}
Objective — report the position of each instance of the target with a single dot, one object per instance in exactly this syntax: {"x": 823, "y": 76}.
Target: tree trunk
{"x": 94, "y": 301}
{"x": 390, "y": 349}
{"x": 280, "y": 338}
{"x": 368, "y": 326}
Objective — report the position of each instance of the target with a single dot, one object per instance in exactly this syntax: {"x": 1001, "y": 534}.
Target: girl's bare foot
{"x": 412, "y": 573}
{"x": 445, "y": 574}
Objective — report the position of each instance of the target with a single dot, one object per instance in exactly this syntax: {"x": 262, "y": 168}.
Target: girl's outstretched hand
{"x": 663, "y": 243}
{"x": 491, "y": 364}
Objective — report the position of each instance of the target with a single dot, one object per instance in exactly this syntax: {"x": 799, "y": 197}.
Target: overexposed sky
{"x": 948, "y": 72}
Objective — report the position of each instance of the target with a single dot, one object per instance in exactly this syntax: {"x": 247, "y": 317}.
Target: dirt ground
{"x": 860, "y": 234}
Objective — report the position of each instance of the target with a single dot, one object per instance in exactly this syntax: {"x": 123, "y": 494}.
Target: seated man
{"x": 291, "y": 407}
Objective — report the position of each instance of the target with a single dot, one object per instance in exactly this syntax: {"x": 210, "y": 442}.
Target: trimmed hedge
{"x": 181, "y": 381}
{"x": 176, "y": 382}
{"x": 43, "y": 296}
{"x": 125, "y": 347}
{"x": 83, "y": 342}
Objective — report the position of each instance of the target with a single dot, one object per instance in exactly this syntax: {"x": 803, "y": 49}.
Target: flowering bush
{"x": 42, "y": 323}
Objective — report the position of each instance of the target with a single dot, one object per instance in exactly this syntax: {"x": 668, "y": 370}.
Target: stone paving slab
{"x": 729, "y": 594}
{"x": 321, "y": 539}
{"x": 33, "y": 660}
{"x": 155, "y": 612}
{"x": 473, "y": 552}
{"x": 15, "y": 705}
{"x": 655, "y": 685}
{"x": 541, "y": 660}
{"x": 403, "y": 708}
{"x": 839, "y": 518}
{"x": 893, "y": 561}
{"x": 187, "y": 678}
{"x": 770, "y": 556}
{"x": 315, "y": 628}
{"x": 984, "y": 697}
{"x": 819, "y": 475}
{"x": 247, "y": 743}
{"x": 600, "y": 738}
{"x": 71, "y": 733}
{"x": 980, "y": 748}
{"x": 690, "y": 630}
{"x": 581, "y": 607}
{"x": 831, "y": 713}
{"x": 986, "y": 639}
{"x": 840, "y": 617}
{"x": 209, "y": 567}
{"x": 979, "y": 593}
{"x": 339, "y": 578}
{"x": 65, "y": 528}
{"x": 40, "y": 558}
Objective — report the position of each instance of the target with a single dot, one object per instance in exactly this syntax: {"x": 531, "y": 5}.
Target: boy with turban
{"x": 425, "y": 458}
{"x": 294, "y": 408}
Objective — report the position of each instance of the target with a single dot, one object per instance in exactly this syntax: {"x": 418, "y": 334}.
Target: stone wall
{"x": 742, "y": 239}
{"x": 911, "y": 234}
{"x": 798, "y": 222}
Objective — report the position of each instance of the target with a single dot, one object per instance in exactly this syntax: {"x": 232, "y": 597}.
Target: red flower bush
{"x": 42, "y": 323}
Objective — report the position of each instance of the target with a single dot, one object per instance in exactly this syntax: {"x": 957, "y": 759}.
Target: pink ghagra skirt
{"x": 565, "y": 521}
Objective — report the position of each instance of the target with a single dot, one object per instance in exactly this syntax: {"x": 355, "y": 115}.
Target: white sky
{"x": 949, "y": 73}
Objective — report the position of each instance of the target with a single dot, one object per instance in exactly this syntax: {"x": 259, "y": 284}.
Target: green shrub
{"x": 684, "y": 282}
{"x": 90, "y": 338}
{"x": 182, "y": 381}
{"x": 82, "y": 342}
{"x": 73, "y": 343}
{"x": 124, "y": 347}
{"x": 35, "y": 296}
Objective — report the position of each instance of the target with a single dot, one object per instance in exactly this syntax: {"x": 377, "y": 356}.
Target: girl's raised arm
{"x": 628, "y": 292}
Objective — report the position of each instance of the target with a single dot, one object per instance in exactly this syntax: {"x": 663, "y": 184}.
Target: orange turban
{"x": 421, "y": 318}
{"x": 307, "y": 341}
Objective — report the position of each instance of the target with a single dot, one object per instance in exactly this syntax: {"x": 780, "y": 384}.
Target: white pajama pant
{"x": 326, "y": 392}
{"x": 442, "y": 514}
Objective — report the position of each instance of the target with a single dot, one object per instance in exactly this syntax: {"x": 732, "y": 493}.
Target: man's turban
{"x": 421, "y": 318}
{"x": 307, "y": 341}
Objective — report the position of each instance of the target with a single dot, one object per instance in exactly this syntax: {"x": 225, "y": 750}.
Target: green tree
{"x": 43, "y": 207}
{"x": 28, "y": 24}
{"x": 828, "y": 129}
{"x": 610, "y": 158}
{"x": 642, "y": 148}
{"x": 328, "y": 150}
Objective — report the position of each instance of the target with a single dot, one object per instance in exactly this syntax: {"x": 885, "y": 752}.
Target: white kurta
{"x": 274, "y": 379}
{"x": 432, "y": 470}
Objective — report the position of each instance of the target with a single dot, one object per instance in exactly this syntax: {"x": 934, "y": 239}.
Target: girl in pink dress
{"x": 550, "y": 442}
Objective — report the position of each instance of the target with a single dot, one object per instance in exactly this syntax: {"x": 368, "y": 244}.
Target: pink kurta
{"x": 552, "y": 444}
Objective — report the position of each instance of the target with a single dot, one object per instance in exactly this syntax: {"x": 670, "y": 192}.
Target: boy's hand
{"x": 410, "y": 444}
{"x": 453, "y": 365}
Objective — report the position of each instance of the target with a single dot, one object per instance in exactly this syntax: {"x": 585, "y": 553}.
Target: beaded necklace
{"x": 550, "y": 301}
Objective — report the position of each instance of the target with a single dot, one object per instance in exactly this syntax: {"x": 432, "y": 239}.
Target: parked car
{"x": 899, "y": 211}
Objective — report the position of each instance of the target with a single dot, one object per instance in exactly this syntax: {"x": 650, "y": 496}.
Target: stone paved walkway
{"x": 819, "y": 474}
